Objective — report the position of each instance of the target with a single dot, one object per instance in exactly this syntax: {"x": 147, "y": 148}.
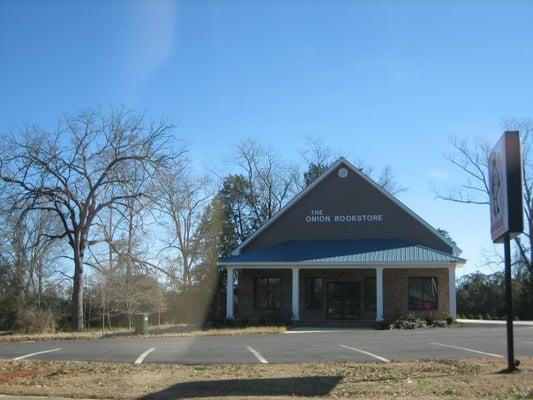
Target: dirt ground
{"x": 473, "y": 379}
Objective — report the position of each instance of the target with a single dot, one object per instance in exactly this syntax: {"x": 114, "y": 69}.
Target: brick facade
{"x": 395, "y": 292}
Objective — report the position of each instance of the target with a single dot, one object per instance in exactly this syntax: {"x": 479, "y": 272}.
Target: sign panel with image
{"x": 505, "y": 188}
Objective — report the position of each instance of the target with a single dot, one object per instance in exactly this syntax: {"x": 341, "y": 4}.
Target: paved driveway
{"x": 362, "y": 345}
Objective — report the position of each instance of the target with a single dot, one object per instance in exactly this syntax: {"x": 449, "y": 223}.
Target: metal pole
{"x": 509, "y": 304}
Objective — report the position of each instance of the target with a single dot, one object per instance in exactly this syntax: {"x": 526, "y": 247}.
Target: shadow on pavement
{"x": 294, "y": 386}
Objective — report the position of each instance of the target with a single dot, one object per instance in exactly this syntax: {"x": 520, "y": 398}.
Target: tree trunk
{"x": 40, "y": 284}
{"x": 77, "y": 294}
{"x": 20, "y": 264}
{"x": 530, "y": 231}
{"x": 130, "y": 324}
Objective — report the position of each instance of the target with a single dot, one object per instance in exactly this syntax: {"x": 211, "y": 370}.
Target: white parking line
{"x": 313, "y": 331}
{"x": 257, "y": 355}
{"x": 365, "y": 352}
{"x": 525, "y": 341}
{"x": 36, "y": 353}
{"x": 467, "y": 349}
{"x": 141, "y": 358}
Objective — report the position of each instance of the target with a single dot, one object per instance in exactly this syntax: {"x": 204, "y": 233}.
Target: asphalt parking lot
{"x": 310, "y": 345}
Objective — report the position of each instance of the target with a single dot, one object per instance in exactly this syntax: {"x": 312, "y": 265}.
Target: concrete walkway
{"x": 481, "y": 322}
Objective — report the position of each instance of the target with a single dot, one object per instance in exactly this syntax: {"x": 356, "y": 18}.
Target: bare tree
{"x": 69, "y": 174}
{"x": 180, "y": 203}
{"x": 387, "y": 181}
{"x": 270, "y": 181}
{"x": 471, "y": 158}
{"x": 26, "y": 268}
{"x": 319, "y": 157}
{"x": 317, "y": 152}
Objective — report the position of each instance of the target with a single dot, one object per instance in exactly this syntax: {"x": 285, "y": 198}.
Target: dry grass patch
{"x": 476, "y": 379}
{"x": 235, "y": 331}
{"x": 165, "y": 332}
{"x": 89, "y": 335}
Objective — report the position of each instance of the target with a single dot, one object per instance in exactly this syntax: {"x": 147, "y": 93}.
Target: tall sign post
{"x": 506, "y": 213}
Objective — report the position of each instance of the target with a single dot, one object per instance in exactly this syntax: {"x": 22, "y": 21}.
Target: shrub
{"x": 430, "y": 319}
{"x": 439, "y": 323}
{"x": 408, "y": 321}
{"x": 35, "y": 321}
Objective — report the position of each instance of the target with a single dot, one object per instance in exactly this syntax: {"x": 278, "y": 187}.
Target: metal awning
{"x": 371, "y": 251}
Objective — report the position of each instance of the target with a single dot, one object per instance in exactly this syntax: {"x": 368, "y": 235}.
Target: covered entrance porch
{"x": 363, "y": 280}
{"x": 349, "y": 293}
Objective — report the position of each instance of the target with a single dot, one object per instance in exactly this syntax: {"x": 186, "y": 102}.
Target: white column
{"x": 295, "y": 293}
{"x": 229, "y": 293}
{"x": 451, "y": 291}
{"x": 379, "y": 294}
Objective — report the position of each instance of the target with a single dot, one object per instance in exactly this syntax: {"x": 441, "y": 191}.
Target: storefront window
{"x": 313, "y": 293}
{"x": 267, "y": 293}
{"x": 423, "y": 293}
{"x": 370, "y": 293}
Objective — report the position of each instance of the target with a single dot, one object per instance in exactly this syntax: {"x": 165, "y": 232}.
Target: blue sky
{"x": 384, "y": 82}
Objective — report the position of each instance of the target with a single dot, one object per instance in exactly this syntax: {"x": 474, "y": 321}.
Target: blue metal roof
{"x": 345, "y": 252}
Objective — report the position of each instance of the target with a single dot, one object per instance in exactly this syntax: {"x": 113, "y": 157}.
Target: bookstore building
{"x": 343, "y": 249}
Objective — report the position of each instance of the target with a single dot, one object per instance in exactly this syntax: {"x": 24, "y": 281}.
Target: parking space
{"x": 310, "y": 346}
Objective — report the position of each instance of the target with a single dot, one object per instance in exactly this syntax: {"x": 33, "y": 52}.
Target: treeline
{"x": 482, "y": 296}
{"x": 105, "y": 217}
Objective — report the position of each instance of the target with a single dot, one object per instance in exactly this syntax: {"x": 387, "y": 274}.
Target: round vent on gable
{"x": 343, "y": 172}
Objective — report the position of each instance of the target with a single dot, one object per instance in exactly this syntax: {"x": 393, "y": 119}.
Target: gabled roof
{"x": 347, "y": 164}
{"x": 324, "y": 252}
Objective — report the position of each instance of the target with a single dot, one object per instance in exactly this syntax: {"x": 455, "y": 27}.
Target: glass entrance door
{"x": 344, "y": 300}
{"x": 335, "y": 300}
